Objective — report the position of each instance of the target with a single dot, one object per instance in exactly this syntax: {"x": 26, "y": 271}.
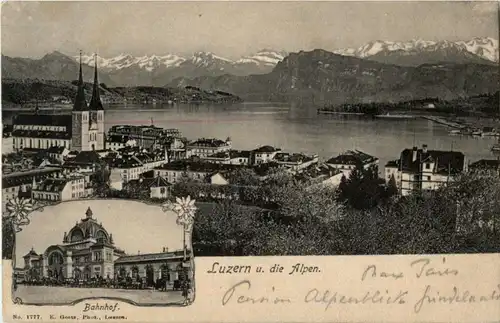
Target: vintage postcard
{"x": 237, "y": 161}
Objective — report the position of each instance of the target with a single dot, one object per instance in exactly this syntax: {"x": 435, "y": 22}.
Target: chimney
{"x": 424, "y": 148}
{"x": 414, "y": 154}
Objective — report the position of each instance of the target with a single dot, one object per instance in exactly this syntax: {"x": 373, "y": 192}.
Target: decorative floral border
{"x": 19, "y": 210}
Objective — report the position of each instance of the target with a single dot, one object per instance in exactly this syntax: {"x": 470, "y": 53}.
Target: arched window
{"x": 101, "y": 236}
{"x": 135, "y": 271}
{"x": 77, "y": 235}
{"x": 56, "y": 258}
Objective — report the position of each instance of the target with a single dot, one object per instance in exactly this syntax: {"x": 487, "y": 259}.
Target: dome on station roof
{"x": 88, "y": 227}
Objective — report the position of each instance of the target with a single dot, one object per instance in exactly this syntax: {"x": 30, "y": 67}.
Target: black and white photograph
{"x": 113, "y": 249}
{"x": 138, "y": 136}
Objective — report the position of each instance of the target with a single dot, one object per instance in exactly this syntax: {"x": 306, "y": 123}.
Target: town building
{"x": 348, "y": 161}
{"x": 25, "y": 160}
{"x": 144, "y": 136}
{"x": 206, "y": 147}
{"x": 83, "y": 130}
{"x": 263, "y": 155}
{"x": 58, "y": 153}
{"x": 84, "y": 161}
{"x": 154, "y": 188}
{"x": 176, "y": 148}
{"x": 230, "y": 157}
{"x": 41, "y": 131}
{"x": 88, "y": 251}
{"x": 317, "y": 175}
{"x": 295, "y": 162}
{"x": 198, "y": 171}
{"x": 131, "y": 163}
{"x": 117, "y": 142}
{"x": 19, "y": 184}
{"x": 62, "y": 187}
{"x": 424, "y": 170}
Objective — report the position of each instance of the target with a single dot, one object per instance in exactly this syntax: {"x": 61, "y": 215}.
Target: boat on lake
{"x": 326, "y": 111}
{"x": 395, "y": 116}
{"x": 490, "y": 132}
{"x": 466, "y": 132}
{"x": 477, "y": 133}
{"x": 455, "y": 132}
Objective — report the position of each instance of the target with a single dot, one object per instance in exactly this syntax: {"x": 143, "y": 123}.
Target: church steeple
{"x": 80, "y": 102}
{"x": 95, "y": 102}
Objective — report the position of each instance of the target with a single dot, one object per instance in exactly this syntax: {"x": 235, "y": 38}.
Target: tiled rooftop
{"x": 204, "y": 142}
{"x": 352, "y": 157}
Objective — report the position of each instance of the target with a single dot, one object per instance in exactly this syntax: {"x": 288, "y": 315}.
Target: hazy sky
{"x": 232, "y": 29}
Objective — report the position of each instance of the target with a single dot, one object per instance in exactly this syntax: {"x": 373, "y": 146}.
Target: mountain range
{"x": 417, "y": 52}
{"x": 324, "y": 77}
{"x": 128, "y": 70}
{"x": 378, "y": 70}
{"x": 158, "y": 70}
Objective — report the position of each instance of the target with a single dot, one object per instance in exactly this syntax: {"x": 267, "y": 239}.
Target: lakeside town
{"x": 149, "y": 160}
{"x": 63, "y": 157}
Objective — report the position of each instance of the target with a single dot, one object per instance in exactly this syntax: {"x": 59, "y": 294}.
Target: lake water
{"x": 299, "y": 129}
{"x": 296, "y": 129}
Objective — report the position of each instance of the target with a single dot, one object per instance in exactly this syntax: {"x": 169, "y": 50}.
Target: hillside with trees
{"x": 30, "y": 91}
{"x": 362, "y": 216}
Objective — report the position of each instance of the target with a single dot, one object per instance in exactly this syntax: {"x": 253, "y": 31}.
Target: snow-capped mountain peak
{"x": 206, "y": 59}
{"x": 126, "y": 60}
{"x": 486, "y": 48}
{"x": 267, "y": 57}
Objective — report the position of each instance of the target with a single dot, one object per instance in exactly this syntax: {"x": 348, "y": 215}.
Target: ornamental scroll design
{"x": 185, "y": 209}
{"x": 18, "y": 211}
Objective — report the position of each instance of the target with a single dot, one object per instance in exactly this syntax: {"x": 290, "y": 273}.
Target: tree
{"x": 101, "y": 181}
{"x": 342, "y": 189}
{"x": 243, "y": 177}
{"x": 392, "y": 188}
{"x": 226, "y": 228}
{"x": 363, "y": 188}
{"x": 183, "y": 186}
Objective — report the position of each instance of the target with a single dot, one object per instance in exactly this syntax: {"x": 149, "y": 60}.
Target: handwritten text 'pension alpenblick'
{"x": 443, "y": 292}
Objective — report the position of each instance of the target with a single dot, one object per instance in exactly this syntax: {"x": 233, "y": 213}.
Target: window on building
{"x": 428, "y": 178}
{"x": 427, "y": 166}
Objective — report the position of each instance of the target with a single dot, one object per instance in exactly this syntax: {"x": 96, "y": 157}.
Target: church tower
{"x": 96, "y": 125}
{"x": 80, "y": 117}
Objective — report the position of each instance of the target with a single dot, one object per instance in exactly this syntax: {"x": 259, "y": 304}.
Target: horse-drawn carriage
{"x": 161, "y": 284}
